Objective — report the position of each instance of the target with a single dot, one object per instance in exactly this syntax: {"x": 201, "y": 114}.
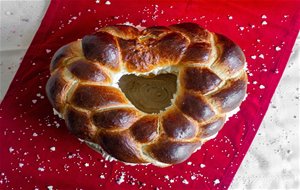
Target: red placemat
{"x": 37, "y": 151}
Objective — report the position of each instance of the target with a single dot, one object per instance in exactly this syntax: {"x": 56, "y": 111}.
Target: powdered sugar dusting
{"x": 139, "y": 27}
{"x": 216, "y": 181}
{"x": 277, "y": 48}
{"x": 261, "y": 56}
{"x": 121, "y": 178}
{"x": 263, "y": 16}
{"x": 261, "y": 86}
{"x": 185, "y": 182}
{"x": 264, "y": 22}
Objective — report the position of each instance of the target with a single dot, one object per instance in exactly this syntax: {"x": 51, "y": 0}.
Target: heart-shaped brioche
{"x": 211, "y": 81}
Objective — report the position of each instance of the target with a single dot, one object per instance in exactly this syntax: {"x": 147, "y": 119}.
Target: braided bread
{"x": 211, "y": 81}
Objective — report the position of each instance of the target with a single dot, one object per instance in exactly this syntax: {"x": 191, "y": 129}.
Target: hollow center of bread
{"x": 151, "y": 93}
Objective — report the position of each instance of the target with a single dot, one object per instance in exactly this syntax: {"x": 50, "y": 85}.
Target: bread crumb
{"x": 217, "y": 181}
{"x": 185, "y": 181}
{"x": 277, "y": 48}
{"x": 264, "y": 22}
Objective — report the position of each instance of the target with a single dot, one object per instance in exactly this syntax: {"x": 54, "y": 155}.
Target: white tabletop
{"x": 273, "y": 158}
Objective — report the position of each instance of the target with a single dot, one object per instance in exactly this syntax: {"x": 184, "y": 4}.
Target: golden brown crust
{"x": 211, "y": 82}
{"x": 231, "y": 95}
{"x": 231, "y": 58}
{"x": 57, "y": 88}
{"x": 122, "y": 31}
{"x": 145, "y": 129}
{"x": 195, "y": 106}
{"x": 171, "y": 48}
{"x": 118, "y": 118}
{"x": 212, "y": 128}
{"x": 88, "y": 71}
{"x": 101, "y": 47}
{"x": 137, "y": 56}
{"x": 64, "y": 53}
{"x": 197, "y": 53}
{"x": 177, "y": 126}
{"x": 120, "y": 146}
{"x": 79, "y": 123}
{"x": 92, "y": 97}
{"x": 193, "y": 31}
{"x": 171, "y": 152}
{"x": 199, "y": 79}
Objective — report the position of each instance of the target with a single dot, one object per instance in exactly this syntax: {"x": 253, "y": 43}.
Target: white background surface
{"x": 272, "y": 161}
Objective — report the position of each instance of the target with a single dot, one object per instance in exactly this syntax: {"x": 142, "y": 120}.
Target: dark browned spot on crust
{"x": 137, "y": 57}
{"x": 86, "y": 70}
{"x": 79, "y": 124}
{"x": 171, "y": 47}
{"x": 115, "y": 118}
{"x": 120, "y": 146}
{"x": 197, "y": 53}
{"x": 232, "y": 95}
{"x": 172, "y": 152}
{"x": 212, "y": 128}
{"x": 145, "y": 129}
{"x": 193, "y": 31}
{"x": 121, "y": 31}
{"x": 141, "y": 61}
{"x": 101, "y": 47}
{"x": 94, "y": 97}
{"x": 56, "y": 89}
{"x": 231, "y": 57}
{"x": 195, "y": 107}
{"x": 143, "y": 55}
{"x": 200, "y": 79}
{"x": 177, "y": 126}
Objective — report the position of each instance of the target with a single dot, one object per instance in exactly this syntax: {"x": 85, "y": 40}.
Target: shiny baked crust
{"x": 211, "y": 82}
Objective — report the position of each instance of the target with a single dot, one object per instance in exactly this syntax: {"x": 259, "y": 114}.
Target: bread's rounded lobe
{"x": 92, "y": 97}
{"x": 171, "y": 152}
{"x": 193, "y": 31}
{"x": 57, "y": 88}
{"x": 103, "y": 48}
{"x": 121, "y": 31}
{"x": 137, "y": 56}
{"x": 231, "y": 58}
{"x": 63, "y": 54}
{"x": 88, "y": 71}
{"x": 177, "y": 126}
{"x": 117, "y": 118}
{"x": 195, "y": 106}
{"x": 120, "y": 146}
{"x": 79, "y": 123}
{"x": 171, "y": 48}
{"x": 197, "y": 53}
{"x": 199, "y": 79}
{"x": 231, "y": 95}
{"x": 145, "y": 129}
{"x": 212, "y": 128}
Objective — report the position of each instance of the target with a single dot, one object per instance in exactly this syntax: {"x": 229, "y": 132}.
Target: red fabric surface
{"x": 29, "y": 129}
